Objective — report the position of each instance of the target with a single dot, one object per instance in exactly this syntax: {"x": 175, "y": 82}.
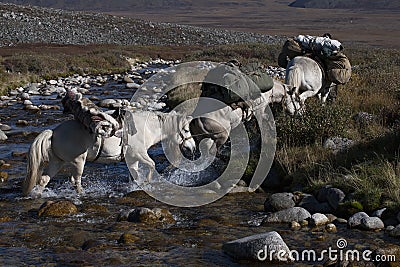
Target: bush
{"x": 314, "y": 126}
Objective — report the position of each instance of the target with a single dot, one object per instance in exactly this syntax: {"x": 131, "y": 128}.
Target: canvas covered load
{"x": 236, "y": 83}
{"x": 338, "y": 68}
{"x": 291, "y": 49}
{"x": 87, "y": 113}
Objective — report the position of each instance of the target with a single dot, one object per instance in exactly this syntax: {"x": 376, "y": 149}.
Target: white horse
{"x": 307, "y": 78}
{"x": 71, "y": 142}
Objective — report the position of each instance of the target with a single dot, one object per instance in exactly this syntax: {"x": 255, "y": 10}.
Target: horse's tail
{"x": 293, "y": 77}
{"x": 39, "y": 153}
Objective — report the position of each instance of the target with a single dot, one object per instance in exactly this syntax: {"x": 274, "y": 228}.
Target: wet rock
{"x": 378, "y": 213}
{"x": 128, "y": 79}
{"x": 19, "y": 154}
{"x": 318, "y": 219}
{"x": 310, "y": 203}
{"x": 92, "y": 244}
{"x": 296, "y": 214}
{"x": 331, "y": 228}
{"x": 331, "y": 217}
{"x": 334, "y": 197}
{"x": 4, "y": 127}
{"x": 261, "y": 247}
{"x": 389, "y": 252}
{"x": 57, "y": 209}
{"x": 49, "y": 107}
{"x": 279, "y": 201}
{"x": 4, "y": 219}
{"x": 395, "y": 232}
{"x": 3, "y": 177}
{"x": 3, "y": 136}
{"x": 95, "y": 208}
{"x": 25, "y": 96}
{"x": 124, "y": 215}
{"x": 132, "y": 85}
{"x": 148, "y": 216}
{"x": 128, "y": 239}
{"x": 32, "y": 108}
{"x": 27, "y": 102}
{"x": 107, "y": 103}
{"x": 389, "y": 228}
{"x": 372, "y": 223}
{"x": 322, "y": 193}
{"x": 295, "y": 226}
{"x": 355, "y": 220}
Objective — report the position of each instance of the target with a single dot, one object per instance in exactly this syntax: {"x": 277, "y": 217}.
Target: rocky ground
{"x": 23, "y": 24}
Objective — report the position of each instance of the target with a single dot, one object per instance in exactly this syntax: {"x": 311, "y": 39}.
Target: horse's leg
{"x": 145, "y": 159}
{"x": 52, "y": 169}
{"x": 307, "y": 94}
{"x": 76, "y": 178}
{"x": 133, "y": 174}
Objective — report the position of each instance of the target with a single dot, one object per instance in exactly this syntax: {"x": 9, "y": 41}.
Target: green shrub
{"x": 316, "y": 124}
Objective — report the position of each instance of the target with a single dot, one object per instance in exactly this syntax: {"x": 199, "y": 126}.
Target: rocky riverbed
{"x": 114, "y": 223}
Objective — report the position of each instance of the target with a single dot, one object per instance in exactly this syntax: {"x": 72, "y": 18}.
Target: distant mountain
{"x": 348, "y": 4}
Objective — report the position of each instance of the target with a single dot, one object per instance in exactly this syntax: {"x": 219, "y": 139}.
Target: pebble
{"x": 3, "y": 136}
{"x": 3, "y": 177}
{"x": 22, "y": 123}
{"x": 295, "y": 226}
{"x": 331, "y": 228}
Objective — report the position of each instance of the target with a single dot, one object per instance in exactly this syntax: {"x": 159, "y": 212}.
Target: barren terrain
{"x": 274, "y": 17}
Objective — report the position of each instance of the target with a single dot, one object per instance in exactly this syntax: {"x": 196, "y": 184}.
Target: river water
{"x": 90, "y": 237}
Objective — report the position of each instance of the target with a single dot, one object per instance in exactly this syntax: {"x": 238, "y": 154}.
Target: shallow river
{"x": 90, "y": 238}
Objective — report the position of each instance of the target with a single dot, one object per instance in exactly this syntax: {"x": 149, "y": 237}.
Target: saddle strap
{"x": 100, "y": 149}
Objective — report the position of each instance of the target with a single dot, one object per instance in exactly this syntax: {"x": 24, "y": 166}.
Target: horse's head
{"x": 185, "y": 138}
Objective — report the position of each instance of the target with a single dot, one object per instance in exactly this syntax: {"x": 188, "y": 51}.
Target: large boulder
{"x": 310, "y": 203}
{"x": 279, "y": 201}
{"x": 296, "y": 214}
{"x": 57, "y": 209}
{"x": 355, "y": 220}
{"x": 262, "y": 247}
{"x": 372, "y": 223}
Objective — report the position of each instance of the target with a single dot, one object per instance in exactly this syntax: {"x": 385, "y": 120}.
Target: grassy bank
{"x": 369, "y": 171}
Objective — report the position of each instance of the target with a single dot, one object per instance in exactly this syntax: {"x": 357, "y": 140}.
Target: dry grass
{"x": 368, "y": 169}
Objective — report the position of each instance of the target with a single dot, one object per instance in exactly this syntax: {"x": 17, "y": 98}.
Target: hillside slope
{"x": 348, "y": 4}
{"x": 25, "y": 24}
